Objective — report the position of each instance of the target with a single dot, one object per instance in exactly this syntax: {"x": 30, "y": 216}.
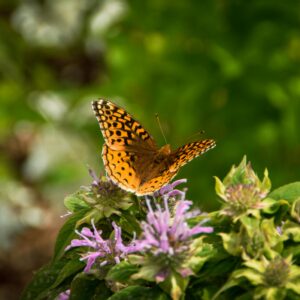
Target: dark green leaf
{"x": 129, "y": 223}
{"x": 70, "y": 268}
{"x": 141, "y": 293}
{"x": 289, "y": 192}
{"x": 102, "y": 292}
{"x": 218, "y": 268}
{"x": 67, "y": 233}
{"x": 84, "y": 287}
{"x": 40, "y": 285}
{"x": 122, "y": 272}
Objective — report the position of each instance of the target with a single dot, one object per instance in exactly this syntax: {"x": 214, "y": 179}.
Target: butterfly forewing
{"x": 187, "y": 152}
{"x": 119, "y": 129}
{"x": 120, "y": 167}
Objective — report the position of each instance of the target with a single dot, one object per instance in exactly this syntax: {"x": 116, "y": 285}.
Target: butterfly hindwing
{"x": 156, "y": 183}
{"x": 177, "y": 159}
{"x": 119, "y": 129}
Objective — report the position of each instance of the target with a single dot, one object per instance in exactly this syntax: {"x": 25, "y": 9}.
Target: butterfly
{"x": 130, "y": 155}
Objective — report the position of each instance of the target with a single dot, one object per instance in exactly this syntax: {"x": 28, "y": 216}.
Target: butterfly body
{"x": 130, "y": 155}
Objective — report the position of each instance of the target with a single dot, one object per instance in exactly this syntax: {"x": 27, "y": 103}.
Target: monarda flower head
{"x": 101, "y": 251}
{"x": 166, "y": 243}
{"x": 271, "y": 279}
{"x": 164, "y": 234}
{"x": 242, "y": 191}
{"x": 168, "y": 246}
{"x": 103, "y": 196}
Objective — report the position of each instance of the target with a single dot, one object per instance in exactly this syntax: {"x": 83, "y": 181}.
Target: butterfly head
{"x": 165, "y": 150}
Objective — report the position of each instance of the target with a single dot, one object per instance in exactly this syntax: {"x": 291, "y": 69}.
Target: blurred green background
{"x": 231, "y": 68}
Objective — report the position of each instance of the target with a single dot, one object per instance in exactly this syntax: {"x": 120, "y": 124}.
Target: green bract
{"x": 242, "y": 191}
{"x": 103, "y": 198}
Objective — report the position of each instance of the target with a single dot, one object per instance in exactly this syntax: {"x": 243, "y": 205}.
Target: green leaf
{"x": 141, "y": 293}
{"x": 202, "y": 252}
{"x": 252, "y": 275}
{"x": 75, "y": 203}
{"x": 271, "y": 206}
{"x": 129, "y": 223}
{"x": 102, "y": 292}
{"x": 232, "y": 243}
{"x": 229, "y": 284}
{"x": 70, "y": 268}
{"x": 67, "y": 233}
{"x": 294, "y": 286}
{"x": 236, "y": 174}
{"x": 271, "y": 293}
{"x": 40, "y": 285}
{"x": 147, "y": 272}
{"x": 84, "y": 287}
{"x": 122, "y": 272}
{"x": 293, "y": 250}
{"x": 92, "y": 214}
{"x": 175, "y": 285}
{"x": 289, "y": 192}
{"x": 218, "y": 266}
{"x": 219, "y": 188}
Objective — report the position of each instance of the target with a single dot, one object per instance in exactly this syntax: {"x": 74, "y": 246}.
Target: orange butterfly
{"x": 131, "y": 157}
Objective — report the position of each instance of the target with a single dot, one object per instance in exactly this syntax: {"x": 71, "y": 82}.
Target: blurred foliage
{"x": 231, "y": 68}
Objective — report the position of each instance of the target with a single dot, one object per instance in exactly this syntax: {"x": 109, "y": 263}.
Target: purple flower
{"x": 169, "y": 191}
{"x": 167, "y": 241}
{"x": 101, "y": 251}
{"x": 64, "y": 295}
{"x": 163, "y": 233}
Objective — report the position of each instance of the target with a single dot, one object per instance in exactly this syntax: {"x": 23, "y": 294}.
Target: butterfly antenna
{"x": 160, "y": 127}
{"x": 199, "y": 133}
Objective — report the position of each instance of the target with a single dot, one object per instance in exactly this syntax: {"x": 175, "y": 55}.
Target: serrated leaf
{"x": 122, "y": 272}
{"x": 141, "y": 293}
{"x": 289, "y": 192}
{"x": 67, "y": 233}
